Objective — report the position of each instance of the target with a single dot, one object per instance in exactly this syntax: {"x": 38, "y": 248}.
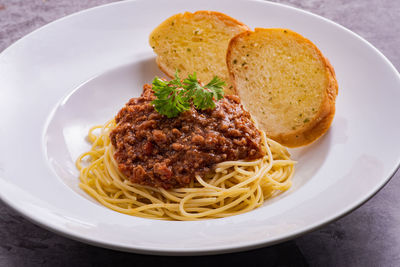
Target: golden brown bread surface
{"x": 195, "y": 42}
{"x": 285, "y": 82}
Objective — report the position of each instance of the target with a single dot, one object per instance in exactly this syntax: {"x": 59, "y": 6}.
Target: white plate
{"x": 78, "y": 71}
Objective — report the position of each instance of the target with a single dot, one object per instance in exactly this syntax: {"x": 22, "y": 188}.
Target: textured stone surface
{"x": 369, "y": 236}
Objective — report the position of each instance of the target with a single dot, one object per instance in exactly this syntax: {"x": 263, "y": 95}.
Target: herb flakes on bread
{"x": 285, "y": 82}
{"x": 195, "y": 42}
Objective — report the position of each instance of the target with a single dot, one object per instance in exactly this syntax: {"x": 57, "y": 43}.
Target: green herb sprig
{"x": 175, "y": 96}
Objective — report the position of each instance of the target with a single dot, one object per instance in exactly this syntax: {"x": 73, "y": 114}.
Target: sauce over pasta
{"x": 154, "y": 150}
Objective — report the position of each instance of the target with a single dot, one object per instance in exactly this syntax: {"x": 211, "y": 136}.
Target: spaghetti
{"x": 234, "y": 187}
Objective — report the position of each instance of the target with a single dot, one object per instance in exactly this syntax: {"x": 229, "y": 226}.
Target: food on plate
{"x": 155, "y": 151}
{"x": 285, "y": 82}
{"x": 197, "y": 42}
{"x": 183, "y": 151}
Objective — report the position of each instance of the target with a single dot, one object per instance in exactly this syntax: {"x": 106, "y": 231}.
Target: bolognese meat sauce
{"x": 154, "y": 150}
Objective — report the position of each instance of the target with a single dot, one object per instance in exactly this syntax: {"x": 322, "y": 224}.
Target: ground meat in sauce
{"x": 151, "y": 149}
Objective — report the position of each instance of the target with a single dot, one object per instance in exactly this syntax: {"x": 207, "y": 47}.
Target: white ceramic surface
{"x": 78, "y": 71}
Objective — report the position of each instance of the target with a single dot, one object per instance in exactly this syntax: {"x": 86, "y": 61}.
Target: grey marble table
{"x": 369, "y": 236}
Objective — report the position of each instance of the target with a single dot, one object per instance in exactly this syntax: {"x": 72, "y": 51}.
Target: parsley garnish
{"x": 175, "y": 96}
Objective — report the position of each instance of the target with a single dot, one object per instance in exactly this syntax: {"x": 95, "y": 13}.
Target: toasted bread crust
{"x": 164, "y": 68}
{"x": 321, "y": 122}
{"x": 319, "y": 125}
{"x": 228, "y": 21}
